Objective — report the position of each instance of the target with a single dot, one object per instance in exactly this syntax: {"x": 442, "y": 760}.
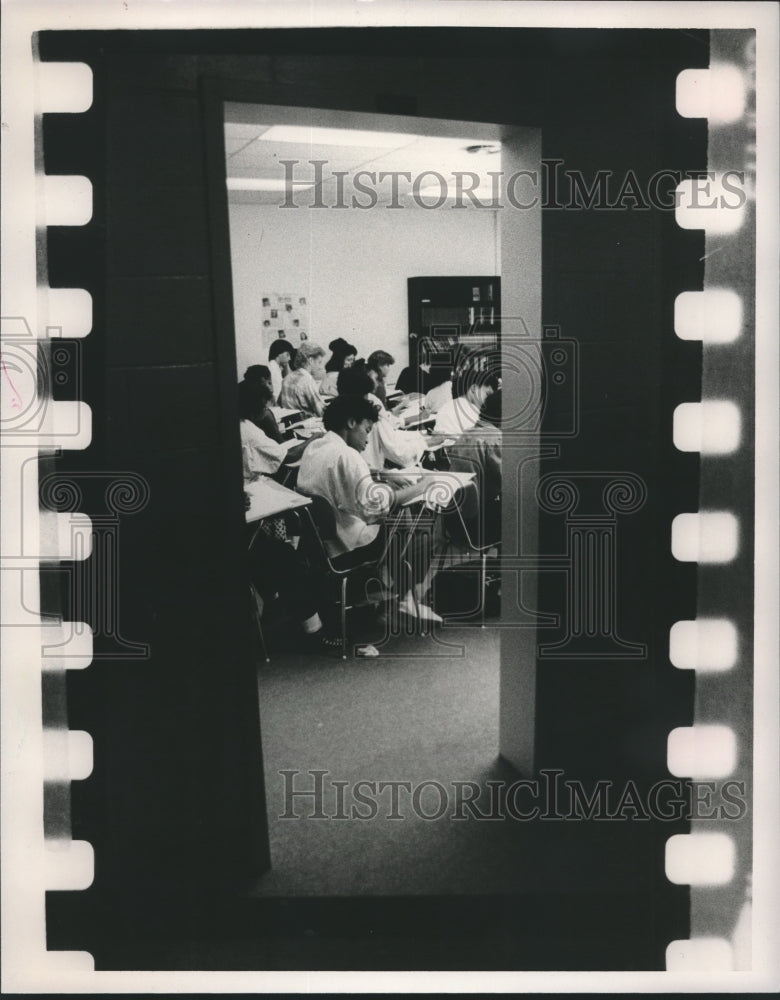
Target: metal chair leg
{"x": 483, "y": 586}
{"x": 258, "y": 622}
{"x": 343, "y": 618}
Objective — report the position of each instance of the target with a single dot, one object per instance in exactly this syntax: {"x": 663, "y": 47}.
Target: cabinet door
{"x": 456, "y": 312}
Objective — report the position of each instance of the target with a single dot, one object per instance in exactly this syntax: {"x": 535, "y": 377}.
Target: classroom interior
{"x": 310, "y": 262}
{"x": 195, "y": 868}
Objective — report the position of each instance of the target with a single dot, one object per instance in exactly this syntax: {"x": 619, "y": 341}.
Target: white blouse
{"x": 438, "y": 397}
{"x": 329, "y": 384}
{"x": 301, "y": 392}
{"x": 276, "y": 380}
{"x": 261, "y": 453}
{"x": 389, "y": 442}
{"x": 331, "y": 469}
{"x": 455, "y": 417}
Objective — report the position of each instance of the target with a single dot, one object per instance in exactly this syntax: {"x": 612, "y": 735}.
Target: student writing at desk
{"x": 280, "y": 354}
{"x": 478, "y": 450}
{"x": 300, "y": 389}
{"x": 342, "y": 356}
{"x": 263, "y": 453}
{"x": 470, "y": 389}
{"x": 263, "y": 418}
{"x": 378, "y": 364}
{"x": 387, "y": 442}
{"x": 274, "y": 565}
{"x": 333, "y": 467}
{"x": 435, "y": 367}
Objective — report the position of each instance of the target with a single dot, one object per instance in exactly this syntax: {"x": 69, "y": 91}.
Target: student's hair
{"x": 470, "y": 375}
{"x": 257, "y": 373}
{"x": 491, "y": 409}
{"x": 253, "y": 397}
{"x": 378, "y": 358}
{"x": 342, "y": 409}
{"x": 279, "y": 347}
{"x": 307, "y": 351}
{"x": 354, "y": 381}
{"x": 341, "y": 349}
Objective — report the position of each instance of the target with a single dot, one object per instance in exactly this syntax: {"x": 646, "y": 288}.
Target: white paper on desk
{"x": 437, "y": 489}
{"x": 412, "y": 410}
{"x": 442, "y": 444}
{"x": 290, "y": 443}
{"x": 412, "y": 473}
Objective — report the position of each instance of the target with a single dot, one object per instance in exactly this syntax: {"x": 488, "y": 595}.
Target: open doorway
{"x": 331, "y": 213}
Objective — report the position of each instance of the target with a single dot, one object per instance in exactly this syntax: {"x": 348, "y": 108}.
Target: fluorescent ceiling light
{"x": 484, "y": 192}
{"x": 336, "y": 136}
{"x": 264, "y": 184}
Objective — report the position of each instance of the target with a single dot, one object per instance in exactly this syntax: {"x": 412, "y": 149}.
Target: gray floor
{"x": 411, "y": 717}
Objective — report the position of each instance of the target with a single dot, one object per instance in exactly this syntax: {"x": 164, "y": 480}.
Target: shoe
{"x": 332, "y": 643}
{"x": 421, "y": 611}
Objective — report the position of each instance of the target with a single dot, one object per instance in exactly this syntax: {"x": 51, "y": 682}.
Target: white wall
{"x": 352, "y": 264}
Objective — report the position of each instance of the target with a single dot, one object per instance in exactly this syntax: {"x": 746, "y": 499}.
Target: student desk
{"x": 437, "y": 491}
{"x": 269, "y": 498}
{"x": 437, "y": 488}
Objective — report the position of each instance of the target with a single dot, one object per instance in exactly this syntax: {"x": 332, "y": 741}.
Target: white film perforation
{"x": 66, "y": 645}
{"x": 718, "y": 94}
{"x": 700, "y": 954}
{"x": 63, "y": 87}
{"x": 67, "y": 200}
{"x": 708, "y": 645}
{"x": 66, "y": 536}
{"x": 67, "y": 312}
{"x": 713, "y": 316}
{"x": 67, "y": 424}
{"x": 704, "y": 859}
{"x": 705, "y": 537}
{"x": 712, "y": 427}
{"x": 69, "y": 865}
{"x": 67, "y": 754}
{"x": 701, "y": 751}
{"x": 716, "y": 203}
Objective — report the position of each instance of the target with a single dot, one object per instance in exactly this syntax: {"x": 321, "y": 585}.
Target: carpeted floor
{"x": 410, "y": 715}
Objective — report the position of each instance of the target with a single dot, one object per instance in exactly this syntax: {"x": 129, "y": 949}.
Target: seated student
{"x": 388, "y": 442}
{"x": 274, "y": 565}
{"x": 439, "y": 387}
{"x": 478, "y": 450}
{"x": 280, "y": 355}
{"x": 264, "y": 418}
{"x": 300, "y": 390}
{"x": 415, "y": 379}
{"x": 343, "y": 355}
{"x": 263, "y": 453}
{"x": 470, "y": 389}
{"x": 378, "y": 364}
{"x": 334, "y": 468}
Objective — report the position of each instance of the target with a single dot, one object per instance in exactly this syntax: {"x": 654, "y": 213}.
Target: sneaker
{"x": 421, "y": 611}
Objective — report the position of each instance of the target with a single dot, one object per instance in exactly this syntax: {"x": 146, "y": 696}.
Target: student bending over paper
{"x": 334, "y": 468}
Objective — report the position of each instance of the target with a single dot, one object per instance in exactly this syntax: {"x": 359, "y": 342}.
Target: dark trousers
{"x": 276, "y": 566}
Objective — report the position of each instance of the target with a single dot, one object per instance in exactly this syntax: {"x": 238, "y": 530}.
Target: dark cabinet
{"x": 457, "y": 315}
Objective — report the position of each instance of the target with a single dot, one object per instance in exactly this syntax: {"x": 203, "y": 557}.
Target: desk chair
{"x": 318, "y": 523}
{"x": 257, "y": 605}
{"x": 289, "y": 474}
{"x": 458, "y": 533}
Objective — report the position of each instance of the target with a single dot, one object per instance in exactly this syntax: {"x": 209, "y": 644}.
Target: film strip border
{"x": 44, "y": 416}
{"x": 715, "y": 857}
